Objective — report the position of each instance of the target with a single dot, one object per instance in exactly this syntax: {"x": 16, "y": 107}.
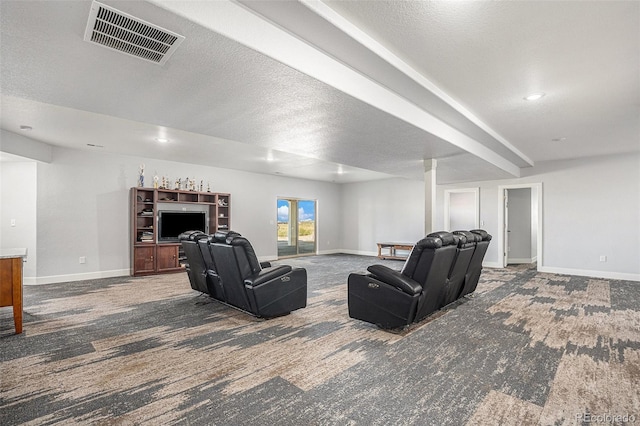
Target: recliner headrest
{"x": 482, "y": 233}
{"x": 191, "y": 235}
{"x": 225, "y": 236}
{"x": 446, "y": 237}
{"x": 209, "y": 239}
{"x": 237, "y": 240}
{"x": 469, "y": 237}
{"x": 429, "y": 243}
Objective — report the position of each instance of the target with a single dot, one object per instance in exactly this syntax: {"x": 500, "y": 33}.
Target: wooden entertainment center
{"x": 148, "y": 254}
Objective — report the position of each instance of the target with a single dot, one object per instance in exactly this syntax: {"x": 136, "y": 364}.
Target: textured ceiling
{"x": 584, "y": 55}
{"x": 223, "y": 99}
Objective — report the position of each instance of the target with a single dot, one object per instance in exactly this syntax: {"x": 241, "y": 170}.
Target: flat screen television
{"x": 171, "y": 224}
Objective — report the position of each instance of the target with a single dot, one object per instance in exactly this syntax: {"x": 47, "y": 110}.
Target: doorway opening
{"x": 520, "y": 224}
{"x": 296, "y": 227}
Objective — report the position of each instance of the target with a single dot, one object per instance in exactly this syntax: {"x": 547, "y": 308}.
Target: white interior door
{"x": 507, "y": 215}
{"x": 462, "y": 209}
{"x": 505, "y": 254}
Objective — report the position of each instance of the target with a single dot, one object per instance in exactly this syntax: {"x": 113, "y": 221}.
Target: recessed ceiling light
{"x": 558, "y": 139}
{"x": 162, "y": 140}
{"x": 534, "y": 96}
{"x": 26, "y": 128}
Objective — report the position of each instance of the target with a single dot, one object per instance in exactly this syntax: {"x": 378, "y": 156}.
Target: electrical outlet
{"x": 603, "y": 258}
{"x": 13, "y": 222}
{"x": 82, "y": 259}
{"x": 482, "y": 223}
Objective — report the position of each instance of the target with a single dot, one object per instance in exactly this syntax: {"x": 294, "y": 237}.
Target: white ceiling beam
{"x": 243, "y": 26}
{"x": 344, "y": 25}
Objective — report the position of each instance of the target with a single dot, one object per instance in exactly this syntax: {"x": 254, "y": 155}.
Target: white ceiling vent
{"x": 117, "y": 30}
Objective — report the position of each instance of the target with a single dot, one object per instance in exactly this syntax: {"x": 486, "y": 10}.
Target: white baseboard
{"x": 52, "y": 279}
{"x": 358, "y": 252}
{"x": 595, "y": 274}
{"x": 577, "y": 272}
{"x": 518, "y": 260}
{"x": 332, "y": 251}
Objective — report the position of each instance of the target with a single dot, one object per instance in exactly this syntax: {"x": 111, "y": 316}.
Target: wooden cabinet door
{"x": 167, "y": 258}
{"x": 144, "y": 259}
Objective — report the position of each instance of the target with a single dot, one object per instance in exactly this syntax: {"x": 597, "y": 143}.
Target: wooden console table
{"x": 11, "y": 282}
{"x": 392, "y": 247}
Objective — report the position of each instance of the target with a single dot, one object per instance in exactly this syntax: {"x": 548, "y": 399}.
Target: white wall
{"x": 83, "y": 210}
{"x": 590, "y": 207}
{"x": 18, "y": 202}
{"x": 390, "y": 210}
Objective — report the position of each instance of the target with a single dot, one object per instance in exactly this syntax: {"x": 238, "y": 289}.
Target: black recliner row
{"x": 440, "y": 269}
{"x": 225, "y": 266}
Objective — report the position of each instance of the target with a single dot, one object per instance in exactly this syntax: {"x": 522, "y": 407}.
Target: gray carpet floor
{"x": 526, "y": 348}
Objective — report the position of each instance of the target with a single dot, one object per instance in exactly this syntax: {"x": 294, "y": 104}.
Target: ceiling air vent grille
{"x": 117, "y": 30}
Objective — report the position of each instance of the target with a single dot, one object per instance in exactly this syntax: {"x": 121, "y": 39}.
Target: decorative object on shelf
{"x": 163, "y": 185}
{"x": 178, "y": 183}
{"x": 208, "y": 187}
{"x": 146, "y": 237}
{"x": 222, "y": 202}
{"x": 201, "y": 183}
{"x": 141, "y": 176}
{"x": 155, "y": 181}
{"x": 192, "y": 185}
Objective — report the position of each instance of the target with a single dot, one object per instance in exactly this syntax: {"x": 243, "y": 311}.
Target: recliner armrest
{"x": 395, "y": 278}
{"x": 267, "y": 274}
{"x": 265, "y": 265}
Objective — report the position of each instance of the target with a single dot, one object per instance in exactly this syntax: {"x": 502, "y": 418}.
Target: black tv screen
{"x": 172, "y": 224}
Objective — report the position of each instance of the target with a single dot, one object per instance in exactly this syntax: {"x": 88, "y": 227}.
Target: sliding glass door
{"x": 296, "y": 227}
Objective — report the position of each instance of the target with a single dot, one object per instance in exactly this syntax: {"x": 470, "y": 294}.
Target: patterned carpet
{"x": 526, "y": 349}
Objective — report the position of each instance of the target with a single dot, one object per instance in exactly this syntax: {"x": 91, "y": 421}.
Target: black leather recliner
{"x": 455, "y": 278}
{"x": 441, "y": 268}
{"x": 235, "y": 276}
{"x": 475, "y": 265}
{"x": 393, "y": 299}
{"x": 196, "y": 266}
